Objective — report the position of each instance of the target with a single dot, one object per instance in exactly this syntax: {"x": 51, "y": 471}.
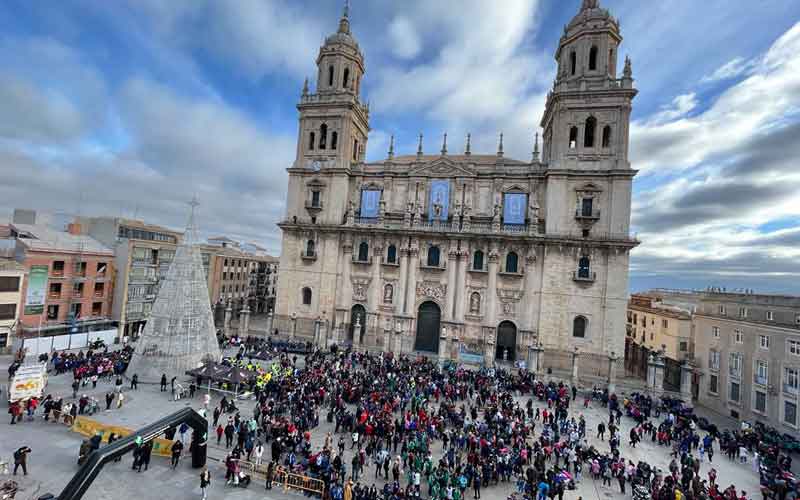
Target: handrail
{"x": 80, "y": 482}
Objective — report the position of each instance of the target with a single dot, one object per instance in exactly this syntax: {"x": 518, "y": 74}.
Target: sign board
{"x": 470, "y": 354}
{"x": 370, "y": 199}
{"x": 29, "y": 382}
{"x": 37, "y": 290}
{"x": 440, "y": 198}
{"x": 514, "y": 205}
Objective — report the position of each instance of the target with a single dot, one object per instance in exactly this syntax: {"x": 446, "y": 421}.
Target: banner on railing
{"x": 90, "y": 428}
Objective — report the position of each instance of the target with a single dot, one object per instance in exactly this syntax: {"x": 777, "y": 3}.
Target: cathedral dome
{"x": 591, "y": 12}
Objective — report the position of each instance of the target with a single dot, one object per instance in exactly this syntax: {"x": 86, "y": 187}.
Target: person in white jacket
{"x": 258, "y": 451}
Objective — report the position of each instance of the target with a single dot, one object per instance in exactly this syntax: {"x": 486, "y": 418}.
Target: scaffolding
{"x": 180, "y": 333}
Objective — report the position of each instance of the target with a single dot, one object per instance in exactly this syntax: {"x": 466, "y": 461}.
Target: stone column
{"x": 244, "y": 321}
{"x": 357, "y": 330}
{"x": 454, "y": 348}
{"x": 461, "y": 285}
{"x": 534, "y": 350}
{"x": 317, "y": 331}
{"x": 575, "y": 356}
{"x": 411, "y": 290}
{"x": 400, "y": 293}
{"x": 686, "y": 380}
{"x": 442, "y": 353}
{"x": 488, "y": 346}
{"x": 323, "y": 337}
{"x": 491, "y": 292}
{"x": 377, "y": 286}
{"x": 293, "y": 331}
{"x": 347, "y": 286}
{"x": 398, "y": 337}
{"x": 228, "y": 314}
{"x": 656, "y": 371}
{"x": 269, "y": 323}
{"x": 612, "y": 372}
{"x": 387, "y": 336}
{"x": 452, "y": 265}
{"x": 530, "y": 276}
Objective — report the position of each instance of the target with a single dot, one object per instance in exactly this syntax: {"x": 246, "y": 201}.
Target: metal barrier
{"x": 287, "y": 480}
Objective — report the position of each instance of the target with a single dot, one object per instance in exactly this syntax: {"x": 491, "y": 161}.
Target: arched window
{"x": 607, "y": 136}
{"x": 330, "y": 76}
{"x": 511, "y": 262}
{"x": 334, "y": 139}
{"x": 573, "y": 62}
{"x": 310, "y": 248}
{"x": 323, "y": 135}
{"x": 584, "y": 266}
{"x": 346, "y": 78}
{"x": 477, "y": 260}
{"x": 391, "y": 255}
{"x": 588, "y": 132}
{"x": 433, "y": 256}
{"x": 593, "y": 58}
{"x": 363, "y": 251}
{"x": 573, "y": 137}
{"x": 306, "y": 296}
{"x": 475, "y": 303}
{"x": 312, "y": 139}
{"x": 579, "y": 327}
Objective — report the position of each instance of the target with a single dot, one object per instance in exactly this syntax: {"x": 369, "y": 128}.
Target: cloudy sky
{"x": 130, "y": 107}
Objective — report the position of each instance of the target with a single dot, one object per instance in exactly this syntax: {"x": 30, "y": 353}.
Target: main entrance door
{"x": 506, "y": 341}
{"x": 428, "y": 327}
{"x": 360, "y": 314}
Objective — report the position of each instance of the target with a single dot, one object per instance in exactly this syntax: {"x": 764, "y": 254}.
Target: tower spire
{"x": 467, "y": 150}
{"x": 536, "y": 148}
{"x": 500, "y": 146}
{"x": 590, "y": 4}
{"x": 419, "y": 147}
{"x": 444, "y": 145}
{"x": 391, "y": 147}
{"x": 305, "y": 87}
{"x": 344, "y": 22}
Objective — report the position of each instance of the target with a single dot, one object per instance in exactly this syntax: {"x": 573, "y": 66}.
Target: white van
{"x": 29, "y": 382}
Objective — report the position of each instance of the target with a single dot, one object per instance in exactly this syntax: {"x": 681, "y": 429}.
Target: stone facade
{"x": 747, "y": 354}
{"x": 468, "y": 256}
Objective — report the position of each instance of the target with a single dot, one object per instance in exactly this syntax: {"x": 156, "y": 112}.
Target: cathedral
{"x": 471, "y": 257}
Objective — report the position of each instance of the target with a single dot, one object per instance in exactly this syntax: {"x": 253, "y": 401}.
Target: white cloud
{"x": 404, "y": 38}
{"x": 762, "y": 100}
{"x": 680, "y": 106}
{"x": 732, "y": 69}
{"x": 31, "y": 114}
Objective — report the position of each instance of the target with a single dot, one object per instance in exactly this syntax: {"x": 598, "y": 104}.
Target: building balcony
{"x": 98, "y": 295}
{"x": 308, "y": 256}
{"x": 759, "y": 380}
{"x": 589, "y": 277}
{"x": 586, "y": 215}
{"x": 57, "y": 274}
{"x": 366, "y": 261}
{"x": 790, "y": 389}
{"x": 313, "y": 206}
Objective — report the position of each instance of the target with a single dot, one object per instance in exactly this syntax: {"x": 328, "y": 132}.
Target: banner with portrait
{"x": 439, "y": 200}
{"x": 370, "y": 202}
{"x": 514, "y": 206}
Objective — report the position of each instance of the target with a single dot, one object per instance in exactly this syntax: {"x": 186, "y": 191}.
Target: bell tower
{"x": 333, "y": 122}
{"x": 587, "y": 115}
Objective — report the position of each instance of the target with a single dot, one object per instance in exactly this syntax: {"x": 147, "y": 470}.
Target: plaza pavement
{"x": 55, "y": 449}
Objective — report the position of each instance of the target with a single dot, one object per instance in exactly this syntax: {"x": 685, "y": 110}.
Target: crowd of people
{"x": 405, "y": 428}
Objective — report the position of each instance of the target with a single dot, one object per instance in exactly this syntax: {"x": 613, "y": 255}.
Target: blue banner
{"x": 514, "y": 206}
{"x": 440, "y": 197}
{"x": 370, "y": 199}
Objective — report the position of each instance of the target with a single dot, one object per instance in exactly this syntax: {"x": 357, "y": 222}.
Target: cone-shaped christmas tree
{"x": 180, "y": 333}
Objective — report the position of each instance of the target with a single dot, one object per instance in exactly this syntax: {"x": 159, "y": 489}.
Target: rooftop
{"x": 10, "y": 265}
{"x": 44, "y": 239}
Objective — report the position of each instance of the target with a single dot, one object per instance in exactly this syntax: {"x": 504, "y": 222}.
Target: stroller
{"x": 641, "y": 493}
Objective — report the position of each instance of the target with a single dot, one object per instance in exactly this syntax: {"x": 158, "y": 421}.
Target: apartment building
{"x": 12, "y": 280}
{"x": 142, "y": 253}
{"x": 239, "y": 276}
{"x": 70, "y": 281}
{"x": 747, "y": 353}
{"x": 656, "y": 326}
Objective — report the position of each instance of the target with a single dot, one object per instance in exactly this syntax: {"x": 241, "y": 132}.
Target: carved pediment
{"x": 441, "y": 167}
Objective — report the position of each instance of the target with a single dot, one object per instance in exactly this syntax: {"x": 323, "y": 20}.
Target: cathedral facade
{"x": 472, "y": 257}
